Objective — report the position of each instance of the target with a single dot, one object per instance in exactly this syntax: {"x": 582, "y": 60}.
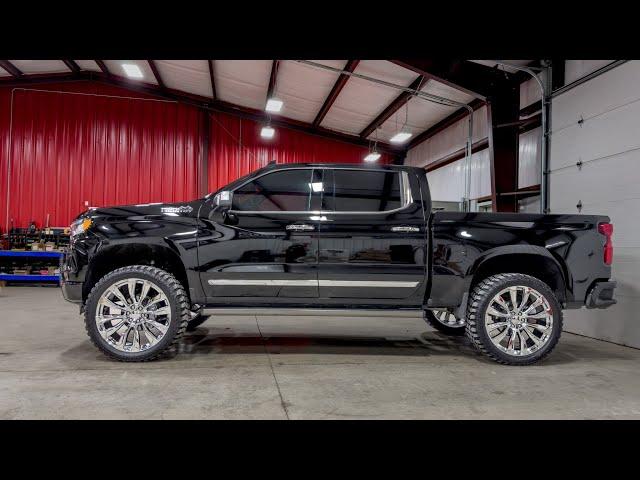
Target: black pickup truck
{"x": 334, "y": 237}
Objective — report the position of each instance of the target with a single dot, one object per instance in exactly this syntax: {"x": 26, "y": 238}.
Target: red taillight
{"x": 606, "y": 229}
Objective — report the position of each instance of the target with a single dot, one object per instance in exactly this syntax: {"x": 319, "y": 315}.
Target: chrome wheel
{"x": 133, "y": 315}
{"x": 519, "y": 320}
{"x": 448, "y": 319}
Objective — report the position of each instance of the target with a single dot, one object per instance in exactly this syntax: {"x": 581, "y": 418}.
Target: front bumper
{"x": 601, "y": 295}
{"x": 71, "y": 289}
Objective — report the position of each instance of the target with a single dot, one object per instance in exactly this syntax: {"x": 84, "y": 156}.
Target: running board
{"x": 314, "y": 312}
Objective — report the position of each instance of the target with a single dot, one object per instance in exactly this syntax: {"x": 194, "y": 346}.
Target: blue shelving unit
{"x": 29, "y": 278}
{"x": 11, "y": 253}
{"x": 8, "y": 277}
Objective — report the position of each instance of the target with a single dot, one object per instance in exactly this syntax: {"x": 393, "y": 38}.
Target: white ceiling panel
{"x": 304, "y": 88}
{"x": 3, "y": 72}
{"x": 362, "y": 100}
{"x": 115, "y": 68}
{"x": 422, "y": 115}
{"x": 440, "y": 89}
{"x": 40, "y": 66}
{"x": 191, "y": 76}
{"x": 88, "y": 65}
{"x": 243, "y": 82}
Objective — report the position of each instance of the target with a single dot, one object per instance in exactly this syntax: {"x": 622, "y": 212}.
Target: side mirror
{"x": 223, "y": 199}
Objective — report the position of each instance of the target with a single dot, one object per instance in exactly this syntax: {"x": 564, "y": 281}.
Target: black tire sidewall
{"x": 119, "y": 275}
{"x": 519, "y": 280}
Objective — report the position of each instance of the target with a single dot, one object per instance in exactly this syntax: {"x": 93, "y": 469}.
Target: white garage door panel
{"x": 612, "y": 89}
{"x": 626, "y": 233}
{"x": 607, "y": 324}
{"x": 627, "y": 272}
{"x": 608, "y": 143}
{"x": 611, "y": 133}
{"x": 600, "y": 182}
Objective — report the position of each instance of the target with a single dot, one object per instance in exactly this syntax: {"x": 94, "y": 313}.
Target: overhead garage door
{"x": 595, "y": 163}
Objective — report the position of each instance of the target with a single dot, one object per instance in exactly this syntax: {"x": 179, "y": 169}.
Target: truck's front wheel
{"x": 513, "y": 318}
{"x": 136, "y": 313}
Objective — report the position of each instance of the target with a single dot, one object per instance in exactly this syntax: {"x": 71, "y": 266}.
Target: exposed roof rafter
{"x": 472, "y": 78}
{"x": 71, "y": 65}
{"x": 156, "y": 73}
{"x": 393, "y": 107}
{"x": 446, "y": 122}
{"x": 213, "y": 80}
{"x": 335, "y": 91}
{"x": 103, "y": 67}
{"x": 11, "y": 68}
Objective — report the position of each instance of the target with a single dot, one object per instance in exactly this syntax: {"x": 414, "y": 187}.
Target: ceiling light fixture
{"x": 404, "y": 134}
{"x": 372, "y": 157}
{"x": 274, "y": 105}
{"x": 267, "y": 132}
{"x": 132, "y": 70}
{"x": 401, "y": 137}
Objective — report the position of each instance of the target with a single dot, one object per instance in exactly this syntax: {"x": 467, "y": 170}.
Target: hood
{"x": 178, "y": 209}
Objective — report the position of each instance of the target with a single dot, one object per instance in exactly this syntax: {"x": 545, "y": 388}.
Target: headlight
{"x": 80, "y": 226}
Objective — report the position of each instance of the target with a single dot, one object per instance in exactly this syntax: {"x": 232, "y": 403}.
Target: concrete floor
{"x": 297, "y": 368}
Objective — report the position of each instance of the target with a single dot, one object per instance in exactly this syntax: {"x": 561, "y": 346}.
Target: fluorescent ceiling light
{"x": 372, "y": 157}
{"x": 273, "y": 105}
{"x": 267, "y": 132}
{"x": 132, "y": 70}
{"x": 401, "y": 137}
{"x": 317, "y": 187}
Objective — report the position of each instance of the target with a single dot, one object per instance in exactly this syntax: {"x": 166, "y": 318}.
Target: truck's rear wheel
{"x": 514, "y": 319}
{"x": 444, "y": 321}
{"x": 136, "y": 313}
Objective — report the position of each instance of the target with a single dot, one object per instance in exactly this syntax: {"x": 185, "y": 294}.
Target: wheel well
{"x": 119, "y": 256}
{"x": 538, "y": 266}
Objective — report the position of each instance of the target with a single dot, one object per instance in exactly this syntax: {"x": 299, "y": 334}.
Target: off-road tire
{"x": 479, "y": 300}
{"x": 171, "y": 287}
{"x": 431, "y": 319}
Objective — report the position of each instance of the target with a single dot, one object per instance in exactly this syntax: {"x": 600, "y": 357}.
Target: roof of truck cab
{"x": 280, "y": 166}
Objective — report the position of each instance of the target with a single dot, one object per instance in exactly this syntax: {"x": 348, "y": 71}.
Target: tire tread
{"x": 172, "y": 282}
{"x": 479, "y": 294}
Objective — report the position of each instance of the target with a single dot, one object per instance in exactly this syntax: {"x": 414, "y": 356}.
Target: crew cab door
{"x": 372, "y": 236}
{"x": 266, "y": 244}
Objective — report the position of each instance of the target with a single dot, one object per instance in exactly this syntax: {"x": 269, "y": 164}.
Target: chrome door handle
{"x": 405, "y": 229}
{"x": 300, "y": 227}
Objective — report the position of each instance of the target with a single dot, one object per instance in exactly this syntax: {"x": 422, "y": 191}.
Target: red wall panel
{"x": 236, "y": 149}
{"x": 68, "y": 149}
{"x": 108, "y": 146}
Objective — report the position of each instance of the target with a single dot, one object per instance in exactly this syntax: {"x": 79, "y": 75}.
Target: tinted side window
{"x": 361, "y": 191}
{"x": 287, "y": 190}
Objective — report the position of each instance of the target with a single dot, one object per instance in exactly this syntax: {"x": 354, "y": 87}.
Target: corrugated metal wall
{"x": 236, "y": 149}
{"x": 69, "y": 149}
{"x": 449, "y": 140}
{"x": 447, "y": 183}
{"x": 106, "y": 146}
{"x": 529, "y": 158}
